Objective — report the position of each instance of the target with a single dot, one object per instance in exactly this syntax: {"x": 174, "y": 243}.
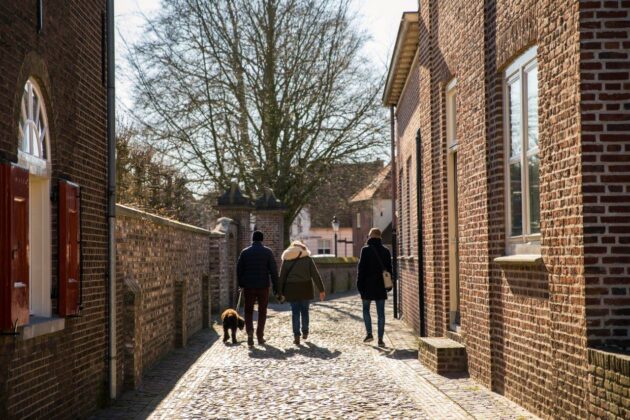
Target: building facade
{"x": 372, "y": 208}
{"x": 513, "y": 208}
{"x": 321, "y": 240}
{"x": 53, "y": 195}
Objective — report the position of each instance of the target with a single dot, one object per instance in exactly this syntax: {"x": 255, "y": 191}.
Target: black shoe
{"x": 368, "y": 338}
{"x": 305, "y": 335}
{"x": 261, "y": 341}
{"x": 250, "y": 341}
{"x": 296, "y": 340}
{"x": 381, "y": 343}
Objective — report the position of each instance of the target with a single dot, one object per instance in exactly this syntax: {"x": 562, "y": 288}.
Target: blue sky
{"x": 379, "y": 17}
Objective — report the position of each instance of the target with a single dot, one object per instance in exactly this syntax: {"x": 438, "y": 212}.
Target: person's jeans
{"x": 251, "y": 296}
{"x": 299, "y": 309}
{"x": 380, "y": 312}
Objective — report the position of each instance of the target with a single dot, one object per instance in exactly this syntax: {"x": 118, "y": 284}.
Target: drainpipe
{"x": 111, "y": 199}
{"x": 420, "y": 233}
{"x": 394, "y": 220}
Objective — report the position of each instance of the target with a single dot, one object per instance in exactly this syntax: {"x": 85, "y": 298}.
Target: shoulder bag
{"x": 280, "y": 297}
{"x": 387, "y": 277}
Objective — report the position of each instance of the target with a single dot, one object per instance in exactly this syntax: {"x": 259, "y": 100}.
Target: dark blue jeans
{"x": 300, "y": 309}
{"x": 380, "y": 312}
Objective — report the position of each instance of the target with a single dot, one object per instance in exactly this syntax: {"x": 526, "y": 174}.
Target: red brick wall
{"x": 164, "y": 259}
{"x": 271, "y": 224}
{"x": 60, "y": 375}
{"x": 605, "y": 105}
{"x": 407, "y": 124}
{"x": 524, "y": 326}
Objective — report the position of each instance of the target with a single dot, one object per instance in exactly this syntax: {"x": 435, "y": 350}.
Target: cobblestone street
{"x": 331, "y": 375}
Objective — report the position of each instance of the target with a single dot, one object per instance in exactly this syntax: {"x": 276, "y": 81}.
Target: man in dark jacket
{"x": 256, "y": 266}
{"x": 375, "y": 259}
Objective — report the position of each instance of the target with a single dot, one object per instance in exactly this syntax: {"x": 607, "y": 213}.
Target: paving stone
{"x": 330, "y": 375}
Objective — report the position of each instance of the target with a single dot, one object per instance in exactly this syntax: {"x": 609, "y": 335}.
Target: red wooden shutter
{"x": 14, "y": 263}
{"x": 69, "y": 249}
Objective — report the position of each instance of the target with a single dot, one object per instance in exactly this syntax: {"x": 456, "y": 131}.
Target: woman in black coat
{"x": 375, "y": 259}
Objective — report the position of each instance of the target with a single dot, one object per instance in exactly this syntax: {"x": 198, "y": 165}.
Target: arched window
{"x": 33, "y": 129}
{"x": 34, "y": 155}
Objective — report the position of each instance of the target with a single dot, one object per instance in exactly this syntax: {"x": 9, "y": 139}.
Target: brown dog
{"x": 231, "y": 320}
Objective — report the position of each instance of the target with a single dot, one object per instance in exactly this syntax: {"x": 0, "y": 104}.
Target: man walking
{"x": 375, "y": 259}
{"x": 255, "y": 268}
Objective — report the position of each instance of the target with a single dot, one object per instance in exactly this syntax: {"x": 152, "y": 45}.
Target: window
{"x": 522, "y": 169}
{"x": 358, "y": 220}
{"x": 408, "y": 207}
{"x": 453, "y": 215}
{"x": 323, "y": 246}
{"x": 34, "y": 156}
{"x": 400, "y": 216}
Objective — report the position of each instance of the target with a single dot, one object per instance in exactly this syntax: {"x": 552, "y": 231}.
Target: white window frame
{"x": 527, "y": 242}
{"x": 35, "y": 157}
{"x": 321, "y": 245}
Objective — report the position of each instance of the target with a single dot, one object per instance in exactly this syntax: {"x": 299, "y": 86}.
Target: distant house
{"x": 372, "y": 207}
{"x": 321, "y": 240}
{"x": 313, "y": 225}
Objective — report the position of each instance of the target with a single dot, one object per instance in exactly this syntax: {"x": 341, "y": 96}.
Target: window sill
{"x": 519, "y": 259}
{"x": 39, "y": 326}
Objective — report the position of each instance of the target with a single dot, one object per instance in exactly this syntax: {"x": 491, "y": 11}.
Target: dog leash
{"x": 238, "y": 302}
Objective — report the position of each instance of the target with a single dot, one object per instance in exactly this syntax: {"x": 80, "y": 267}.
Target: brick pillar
{"x": 236, "y": 206}
{"x": 181, "y": 312}
{"x": 270, "y": 221}
{"x": 225, "y": 251}
{"x": 132, "y": 334}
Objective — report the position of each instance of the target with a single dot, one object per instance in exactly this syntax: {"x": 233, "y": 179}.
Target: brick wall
{"x": 525, "y": 326}
{"x": 62, "y": 374}
{"x": 224, "y": 252}
{"x": 161, "y": 266}
{"x": 271, "y": 224}
{"x": 605, "y": 126}
{"x": 609, "y": 385}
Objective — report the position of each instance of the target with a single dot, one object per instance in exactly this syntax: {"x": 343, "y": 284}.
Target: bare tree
{"x": 271, "y": 93}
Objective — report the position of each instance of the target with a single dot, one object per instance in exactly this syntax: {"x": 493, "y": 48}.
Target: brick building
{"x": 53, "y": 196}
{"x": 512, "y": 144}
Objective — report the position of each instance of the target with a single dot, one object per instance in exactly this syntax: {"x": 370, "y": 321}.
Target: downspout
{"x": 111, "y": 199}
{"x": 394, "y": 219}
{"x": 420, "y": 233}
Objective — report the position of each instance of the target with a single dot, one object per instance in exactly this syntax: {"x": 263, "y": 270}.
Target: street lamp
{"x": 335, "y": 226}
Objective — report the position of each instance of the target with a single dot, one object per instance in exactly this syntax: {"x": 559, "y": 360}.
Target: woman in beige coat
{"x": 298, "y": 273}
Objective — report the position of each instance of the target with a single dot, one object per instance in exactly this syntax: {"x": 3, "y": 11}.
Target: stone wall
{"x": 163, "y": 268}
{"x": 338, "y": 277}
{"x": 609, "y": 384}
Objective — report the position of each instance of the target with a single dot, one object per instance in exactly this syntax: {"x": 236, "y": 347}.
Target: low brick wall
{"x": 338, "y": 275}
{"x": 164, "y": 269}
{"x": 609, "y": 384}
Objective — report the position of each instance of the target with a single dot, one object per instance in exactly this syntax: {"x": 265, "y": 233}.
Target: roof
{"x": 373, "y": 187}
{"x": 404, "y": 52}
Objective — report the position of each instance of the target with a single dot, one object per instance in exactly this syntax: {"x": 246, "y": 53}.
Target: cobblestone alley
{"x": 331, "y": 375}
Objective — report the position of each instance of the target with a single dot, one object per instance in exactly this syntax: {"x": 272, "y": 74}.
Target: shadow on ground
{"x": 307, "y": 350}
{"x": 160, "y": 380}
